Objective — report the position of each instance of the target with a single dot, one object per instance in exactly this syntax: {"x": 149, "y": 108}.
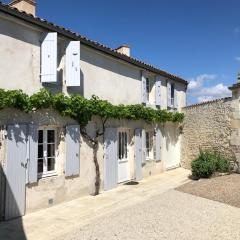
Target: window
{"x": 148, "y": 88}
{"x": 46, "y": 152}
{"x": 150, "y": 145}
{"x": 122, "y": 145}
{"x": 172, "y": 94}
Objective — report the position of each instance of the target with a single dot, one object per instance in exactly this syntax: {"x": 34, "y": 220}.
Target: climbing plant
{"x": 82, "y": 110}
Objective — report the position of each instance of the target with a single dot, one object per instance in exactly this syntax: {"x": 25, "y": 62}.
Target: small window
{"x": 46, "y": 152}
{"x": 150, "y": 145}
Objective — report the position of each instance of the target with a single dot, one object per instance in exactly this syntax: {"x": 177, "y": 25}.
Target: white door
{"x": 123, "y": 161}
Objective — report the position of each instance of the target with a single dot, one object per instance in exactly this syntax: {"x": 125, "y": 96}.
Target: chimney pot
{"x": 124, "y": 49}
{"x": 28, "y": 6}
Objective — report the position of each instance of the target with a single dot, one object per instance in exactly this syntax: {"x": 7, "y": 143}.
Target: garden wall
{"x": 207, "y": 126}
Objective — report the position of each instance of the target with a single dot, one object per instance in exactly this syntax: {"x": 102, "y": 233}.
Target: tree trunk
{"x": 97, "y": 170}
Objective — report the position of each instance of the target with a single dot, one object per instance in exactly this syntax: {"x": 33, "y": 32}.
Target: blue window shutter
{"x": 138, "y": 154}
{"x": 110, "y": 158}
{"x": 175, "y": 98}
{"x": 73, "y": 64}
{"x": 158, "y": 144}
{"x": 169, "y": 104}
{"x": 15, "y": 170}
{"x": 32, "y": 153}
{"x": 158, "y": 90}
{"x": 72, "y": 141}
{"x": 144, "y": 154}
{"x": 49, "y": 58}
{"x": 144, "y": 87}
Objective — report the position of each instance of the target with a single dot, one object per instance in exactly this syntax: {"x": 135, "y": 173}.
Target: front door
{"x": 123, "y": 158}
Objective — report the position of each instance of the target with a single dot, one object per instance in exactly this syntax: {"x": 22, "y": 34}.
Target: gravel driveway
{"x": 171, "y": 215}
{"x": 225, "y": 189}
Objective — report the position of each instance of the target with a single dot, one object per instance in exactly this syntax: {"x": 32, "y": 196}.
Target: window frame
{"x": 45, "y": 143}
{"x": 151, "y": 140}
{"x": 172, "y": 93}
{"x": 122, "y": 145}
{"x": 148, "y": 89}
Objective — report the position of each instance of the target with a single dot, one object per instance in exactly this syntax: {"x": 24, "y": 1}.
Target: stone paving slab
{"x": 65, "y": 218}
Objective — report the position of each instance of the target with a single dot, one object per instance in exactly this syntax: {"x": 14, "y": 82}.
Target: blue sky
{"x": 198, "y": 40}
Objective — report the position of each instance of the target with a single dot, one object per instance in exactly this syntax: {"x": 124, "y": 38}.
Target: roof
{"x": 234, "y": 86}
{"x": 93, "y": 44}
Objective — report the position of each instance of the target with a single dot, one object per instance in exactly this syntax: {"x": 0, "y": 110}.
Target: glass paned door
{"x": 123, "y": 161}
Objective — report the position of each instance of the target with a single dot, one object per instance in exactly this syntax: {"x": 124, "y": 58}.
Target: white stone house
{"x": 44, "y": 158}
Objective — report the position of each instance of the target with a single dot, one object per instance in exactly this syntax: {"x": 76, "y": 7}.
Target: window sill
{"x": 46, "y": 175}
{"x": 151, "y": 105}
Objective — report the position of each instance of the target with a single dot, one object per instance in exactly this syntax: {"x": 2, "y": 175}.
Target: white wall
{"x": 101, "y": 74}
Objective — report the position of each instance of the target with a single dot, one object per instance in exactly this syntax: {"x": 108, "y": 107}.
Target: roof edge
{"x": 207, "y": 102}
{"x": 93, "y": 44}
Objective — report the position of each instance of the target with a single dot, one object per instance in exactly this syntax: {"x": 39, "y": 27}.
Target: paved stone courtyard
{"x": 150, "y": 210}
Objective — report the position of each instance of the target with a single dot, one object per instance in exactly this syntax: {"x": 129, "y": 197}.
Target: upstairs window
{"x": 172, "y": 93}
{"x": 148, "y": 89}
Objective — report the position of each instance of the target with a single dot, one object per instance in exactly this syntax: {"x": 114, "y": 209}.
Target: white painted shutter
{"x": 144, "y": 88}
{"x": 169, "y": 94}
{"x": 175, "y": 98}
{"x": 32, "y": 153}
{"x": 49, "y": 58}
{"x": 144, "y": 154}
{"x": 72, "y": 153}
{"x": 158, "y": 144}
{"x": 15, "y": 170}
{"x": 73, "y": 64}
{"x": 138, "y": 153}
{"x": 158, "y": 90}
{"x": 110, "y": 158}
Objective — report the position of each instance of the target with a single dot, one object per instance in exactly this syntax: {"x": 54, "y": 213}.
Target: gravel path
{"x": 225, "y": 189}
{"x": 172, "y": 215}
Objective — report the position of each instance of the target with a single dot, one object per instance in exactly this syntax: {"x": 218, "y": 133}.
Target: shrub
{"x": 222, "y": 164}
{"x": 208, "y": 163}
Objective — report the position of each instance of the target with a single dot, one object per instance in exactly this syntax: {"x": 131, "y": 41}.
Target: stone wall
{"x": 207, "y": 126}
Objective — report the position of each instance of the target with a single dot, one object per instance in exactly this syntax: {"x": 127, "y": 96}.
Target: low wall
{"x": 207, "y": 126}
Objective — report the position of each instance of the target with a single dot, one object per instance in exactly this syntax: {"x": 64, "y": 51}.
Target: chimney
{"x": 28, "y": 6}
{"x": 124, "y": 49}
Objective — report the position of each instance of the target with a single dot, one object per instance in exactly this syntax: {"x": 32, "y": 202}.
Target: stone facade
{"x": 207, "y": 126}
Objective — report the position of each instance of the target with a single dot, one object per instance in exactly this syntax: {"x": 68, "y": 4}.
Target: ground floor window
{"x": 150, "y": 145}
{"x": 46, "y": 152}
{"x": 122, "y": 145}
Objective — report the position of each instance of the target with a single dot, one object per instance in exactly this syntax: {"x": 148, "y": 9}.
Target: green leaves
{"x": 14, "y": 99}
{"x": 82, "y": 109}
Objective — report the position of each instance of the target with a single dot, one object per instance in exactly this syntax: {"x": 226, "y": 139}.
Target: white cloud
{"x": 197, "y": 83}
{"x": 204, "y": 98}
{"x": 214, "y": 92}
{"x": 201, "y": 93}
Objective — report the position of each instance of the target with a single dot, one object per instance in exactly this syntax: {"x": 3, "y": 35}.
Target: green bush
{"x": 222, "y": 165}
{"x": 208, "y": 163}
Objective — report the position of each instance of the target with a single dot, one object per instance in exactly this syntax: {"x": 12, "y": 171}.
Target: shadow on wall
{"x": 171, "y": 133}
{"x": 13, "y": 229}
